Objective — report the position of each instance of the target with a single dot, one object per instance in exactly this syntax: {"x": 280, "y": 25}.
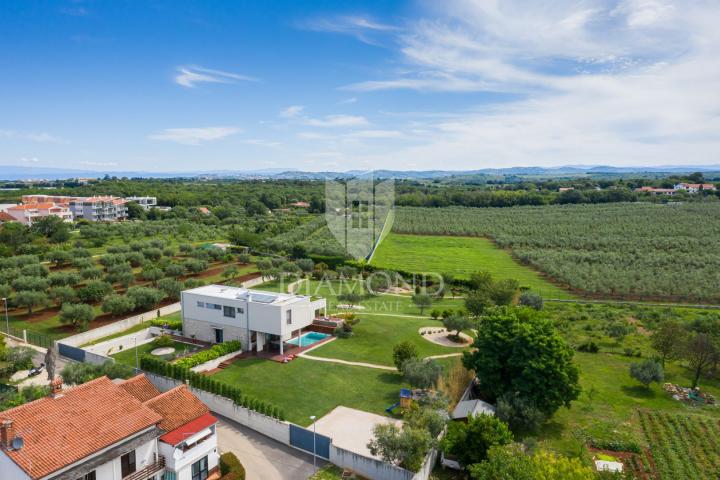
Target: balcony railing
{"x": 148, "y": 471}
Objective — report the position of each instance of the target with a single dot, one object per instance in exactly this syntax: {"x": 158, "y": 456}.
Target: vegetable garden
{"x": 639, "y": 251}
{"x": 682, "y": 446}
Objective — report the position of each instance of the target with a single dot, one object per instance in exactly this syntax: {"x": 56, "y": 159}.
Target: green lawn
{"x": 303, "y": 387}
{"x": 127, "y": 356}
{"x": 612, "y": 412}
{"x": 459, "y": 255}
{"x": 374, "y": 337}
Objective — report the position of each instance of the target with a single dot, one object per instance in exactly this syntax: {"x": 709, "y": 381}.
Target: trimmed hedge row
{"x": 171, "y": 324}
{"x": 202, "y": 382}
{"x": 216, "y": 351}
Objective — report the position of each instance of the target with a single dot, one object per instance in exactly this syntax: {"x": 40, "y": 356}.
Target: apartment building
{"x": 27, "y": 214}
{"x": 101, "y": 208}
{"x": 145, "y": 202}
{"x": 110, "y": 430}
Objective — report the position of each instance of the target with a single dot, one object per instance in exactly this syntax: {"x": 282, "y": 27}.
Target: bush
{"x": 531, "y": 299}
{"x": 229, "y": 464}
{"x": 402, "y": 352}
{"x": 169, "y": 324}
{"x": 20, "y": 358}
{"x": 94, "y": 291}
{"x": 212, "y": 353}
{"x": 589, "y": 346}
{"x": 145, "y": 297}
{"x": 164, "y": 341}
{"x": 421, "y": 373}
{"x": 521, "y": 415}
{"x": 118, "y": 304}
{"x": 647, "y": 372}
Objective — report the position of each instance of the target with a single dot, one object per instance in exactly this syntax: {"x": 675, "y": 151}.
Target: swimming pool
{"x": 308, "y": 339}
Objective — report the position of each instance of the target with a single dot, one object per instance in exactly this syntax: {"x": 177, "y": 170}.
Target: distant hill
{"x": 14, "y": 172}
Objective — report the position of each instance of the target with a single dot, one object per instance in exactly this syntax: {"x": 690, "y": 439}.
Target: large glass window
{"x": 229, "y": 311}
{"x": 288, "y": 317}
{"x": 200, "y": 469}
{"x": 127, "y": 464}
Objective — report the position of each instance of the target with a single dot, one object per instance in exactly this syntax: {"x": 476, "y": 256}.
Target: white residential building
{"x": 145, "y": 202}
{"x": 102, "y": 208}
{"x": 694, "y": 187}
{"x": 260, "y": 320}
{"x": 29, "y": 213}
{"x": 109, "y": 430}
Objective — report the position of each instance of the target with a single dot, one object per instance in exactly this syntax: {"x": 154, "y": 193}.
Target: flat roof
{"x": 252, "y": 296}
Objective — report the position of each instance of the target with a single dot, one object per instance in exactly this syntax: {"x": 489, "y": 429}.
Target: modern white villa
{"x": 261, "y": 320}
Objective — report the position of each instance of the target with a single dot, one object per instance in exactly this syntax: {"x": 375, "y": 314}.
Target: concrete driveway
{"x": 263, "y": 457}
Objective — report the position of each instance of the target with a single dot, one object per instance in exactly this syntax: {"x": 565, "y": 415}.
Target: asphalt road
{"x": 263, "y": 457}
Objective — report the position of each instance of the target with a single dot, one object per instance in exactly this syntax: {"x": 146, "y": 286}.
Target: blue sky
{"x": 339, "y": 85}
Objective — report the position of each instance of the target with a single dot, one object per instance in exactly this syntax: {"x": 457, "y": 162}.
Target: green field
{"x": 371, "y": 342}
{"x": 459, "y": 255}
{"x": 303, "y": 387}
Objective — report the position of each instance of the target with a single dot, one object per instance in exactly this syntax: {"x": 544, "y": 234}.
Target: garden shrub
{"x": 212, "y": 353}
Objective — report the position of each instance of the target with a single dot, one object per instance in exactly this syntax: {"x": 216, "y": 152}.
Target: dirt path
{"x": 345, "y": 362}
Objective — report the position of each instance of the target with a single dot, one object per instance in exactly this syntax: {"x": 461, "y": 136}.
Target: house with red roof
{"x": 110, "y": 430}
{"x": 694, "y": 187}
{"x": 28, "y": 213}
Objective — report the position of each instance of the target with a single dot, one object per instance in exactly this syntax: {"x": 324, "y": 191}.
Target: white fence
{"x": 119, "y": 326}
{"x": 119, "y": 344}
{"x": 275, "y": 429}
{"x": 366, "y": 466}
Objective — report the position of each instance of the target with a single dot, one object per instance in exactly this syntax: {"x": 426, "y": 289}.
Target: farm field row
{"x": 629, "y": 251}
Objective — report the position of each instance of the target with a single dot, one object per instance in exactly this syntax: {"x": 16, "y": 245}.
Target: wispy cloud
{"x": 348, "y": 101}
{"x": 29, "y": 160}
{"x": 191, "y": 76}
{"x": 194, "y": 136}
{"x": 587, "y": 82}
{"x": 362, "y": 28}
{"x": 337, "y": 121}
{"x": 292, "y": 111}
{"x": 37, "y": 137}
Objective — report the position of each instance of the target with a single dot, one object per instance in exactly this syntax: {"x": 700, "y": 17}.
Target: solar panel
{"x": 262, "y": 298}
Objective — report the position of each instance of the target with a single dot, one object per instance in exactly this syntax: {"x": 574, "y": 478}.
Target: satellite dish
{"x": 18, "y": 443}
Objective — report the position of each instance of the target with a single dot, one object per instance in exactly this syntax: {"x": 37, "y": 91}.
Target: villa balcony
{"x": 148, "y": 471}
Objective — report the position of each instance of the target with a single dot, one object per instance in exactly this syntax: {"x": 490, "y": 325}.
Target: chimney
{"x": 56, "y": 388}
{"x": 7, "y": 433}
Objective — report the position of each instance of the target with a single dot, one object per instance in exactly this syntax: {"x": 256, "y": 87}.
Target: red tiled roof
{"x": 33, "y": 206}
{"x": 140, "y": 387}
{"x": 192, "y": 427}
{"x": 6, "y": 217}
{"x": 63, "y": 430}
{"x": 177, "y": 407}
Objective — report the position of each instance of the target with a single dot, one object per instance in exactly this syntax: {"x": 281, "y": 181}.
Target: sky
{"x": 341, "y": 85}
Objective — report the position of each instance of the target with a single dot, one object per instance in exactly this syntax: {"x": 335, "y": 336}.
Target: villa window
{"x": 127, "y": 464}
{"x": 88, "y": 476}
{"x": 201, "y": 304}
{"x": 168, "y": 476}
{"x": 241, "y": 310}
{"x": 288, "y": 317}
{"x": 200, "y": 469}
{"x": 228, "y": 312}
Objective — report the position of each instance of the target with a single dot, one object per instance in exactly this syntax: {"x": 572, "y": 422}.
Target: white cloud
{"x": 292, "y": 111}
{"x": 338, "y": 121}
{"x": 37, "y": 137}
{"x": 192, "y": 75}
{"x": 376, "y": 134}
{"x": 362, "y": 28}
{"x": 29, "y": 160}
{"x": 348, "y": 101}
{"x": 194, "y": 136}
{"x": 630, "y": 82}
